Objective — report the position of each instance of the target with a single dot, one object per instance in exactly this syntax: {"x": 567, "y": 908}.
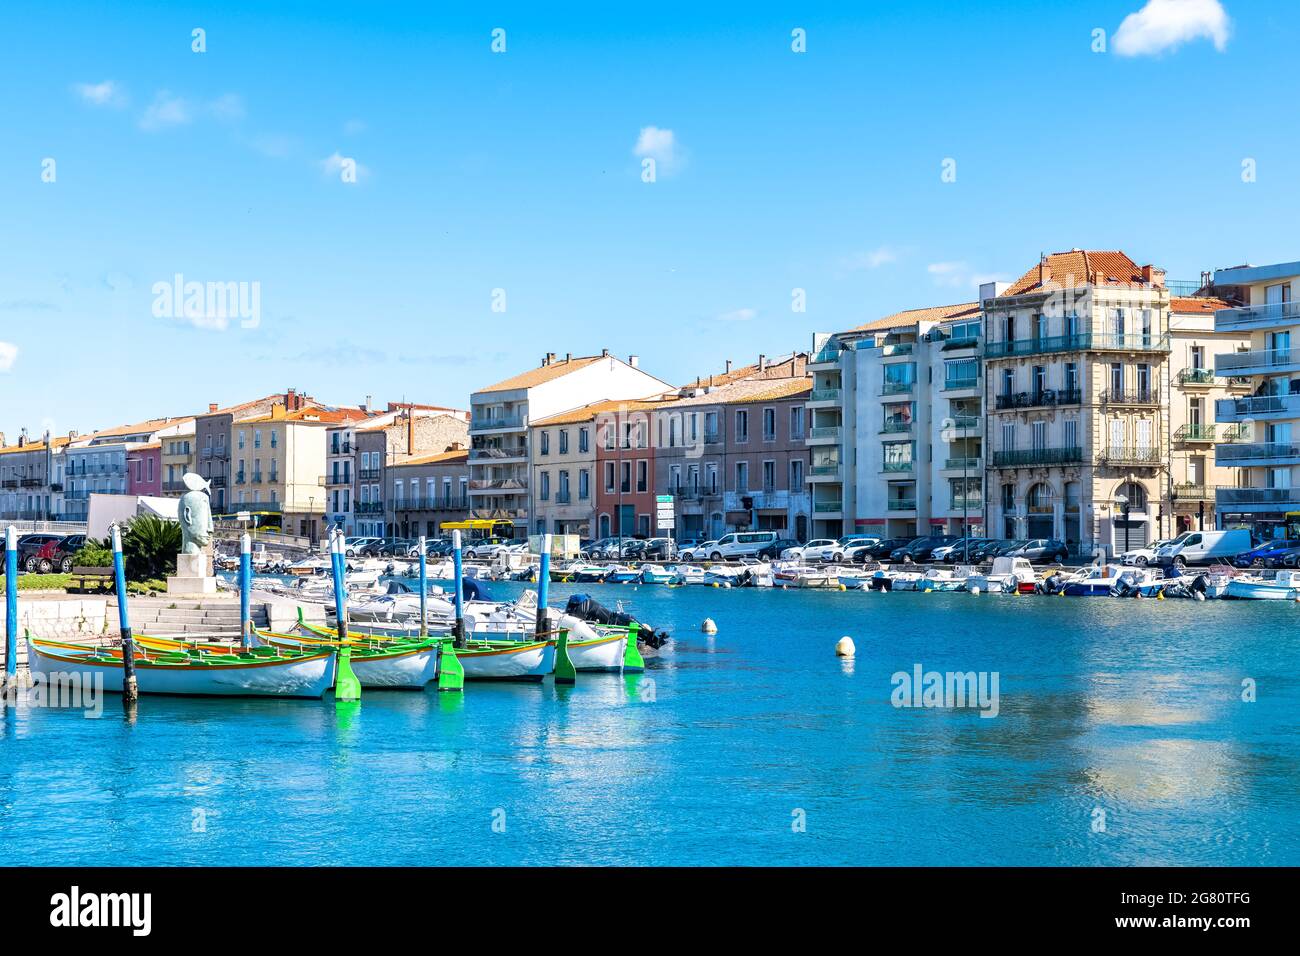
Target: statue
{"x": 195, "y": 513}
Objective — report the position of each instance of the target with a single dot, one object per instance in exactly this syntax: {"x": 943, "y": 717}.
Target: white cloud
{"x": 228, "y": 107}
{"x": 873, "y": 259}
{"x": 8, "y": 355}
{"x": 737, "y": 315}
{"x": 958, "y": 275}
{"x": 338, "y": 166}
{"x": 1167, "y": 24}
{"x": 660, "y": 145}
{"x": 165, "y": 110}
{"x": 106, "y": 93}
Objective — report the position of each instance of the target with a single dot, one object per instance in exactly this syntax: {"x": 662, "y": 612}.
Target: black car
{"x": 773, "y": 550}
{"x": 883, "y": 549}
{"x": 1039, "y": 550}
{"x": 964, "y": 552}
{"x": 36, "y": 552}
{"x": 660, "y": 549}
{"x": 922, "y": 548}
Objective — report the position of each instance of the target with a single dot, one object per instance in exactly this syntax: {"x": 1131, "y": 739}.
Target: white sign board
{"x": 664, "y": 513}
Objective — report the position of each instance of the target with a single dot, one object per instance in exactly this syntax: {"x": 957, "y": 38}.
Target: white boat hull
{"x": 306, "y": 677}
{"x": 527, "y": 662}
{"x": 1261, "y": 591}
{"x": 603, "y": 653}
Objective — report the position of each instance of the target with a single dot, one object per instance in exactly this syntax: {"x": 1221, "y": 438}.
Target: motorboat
{"x": 944, "y": 579}
{"x": 1284, "y": 585}
{"x": 1007, "y": 575}
{"x": 622, "y": 574}
{"x": 655, "y": 574}
{"x": 1107, "y": 580}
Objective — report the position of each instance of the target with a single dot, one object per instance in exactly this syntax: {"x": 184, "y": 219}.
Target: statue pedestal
{"x": 193, "y": 576}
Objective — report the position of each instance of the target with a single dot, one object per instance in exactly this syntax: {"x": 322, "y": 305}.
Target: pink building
{"x": 144, "y": 469}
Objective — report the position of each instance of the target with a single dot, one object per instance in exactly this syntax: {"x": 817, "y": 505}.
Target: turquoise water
{"x": 757, "y": 746}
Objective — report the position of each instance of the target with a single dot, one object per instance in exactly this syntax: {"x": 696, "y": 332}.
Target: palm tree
{"x": 150, "y": 545}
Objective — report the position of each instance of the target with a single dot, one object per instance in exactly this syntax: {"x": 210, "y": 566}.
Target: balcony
{"x": 368, "y": 474}
{"x": 1082, "y": 342}
{"x": 9, "y": 483}
{"x": 825, "y": 395}
{"x": 768, "y": 499}
{"x": 963, "y": 423}
{"x": 825, "y": 470}
{"x": 1141, "y": 396}
{"x": 966, "y": 503}
{"x": 434, "y": 503}
{"x": 1257, "y": 453}
{"x": 1259, "y": 362}
{"x": 1284, "y": 499}
{"x": 1254, "y": 317}
{"x": 1048, "y": 397}
{"x": 1258, "y": 406}
{"x": 1031, "y": 457}
{"x": 963, "y": 464}
{"x": 239, "y": 478}
{"x": 827, "y": 354}
{"x": 825, "y": 433}
{"x": 959, "y": 384}
{"x": 563, "y": 497}
{"x": 899, "y": 467}
{"x": 897, "y": 388}
{"x": 896, "y": 427}
{"x": 498, "y": 484}
{"x": 341, "y": 448}
{"x": 498, "y": 454}
{"x": 339, "y": 478}
{"x": 712, "y": 438}
{"x": 218, "y": 481}
{"x": 901, "y": 504}
{"x": 174, "y": 487}
{"x": 1131, "y": 456}
{"x": 56, "y": 486}
{"x": 370, "y": 507}
{"x": 31, "y": 482}
{"x": 1194, "y": 434}
{"x": 513, "y": 422}
{"x": 1191, "y": 377}
{"x": 827, "y": 507}
{"x": 1190, "y": 492}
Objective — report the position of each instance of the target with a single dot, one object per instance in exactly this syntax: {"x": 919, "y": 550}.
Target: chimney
{"x": 728, "y": 366}
{"x": 762, "y": 363}
{"x": 410, "y": 432}
{"x": 2, "y": 439}
{"x": 370, "y": 400}
{"x": 604, "y": 353}
{"x": 568, "y": 356}
{"x": 1044, "y": 271}
{"x": 277, "y": 411}
{"x": 212, "y": 407}
{"x": 1153, "y": 275}
{"x": 634, "y": 361}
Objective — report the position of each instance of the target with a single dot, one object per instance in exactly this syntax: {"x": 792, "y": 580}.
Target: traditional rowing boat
{"x": 259, "y": 673}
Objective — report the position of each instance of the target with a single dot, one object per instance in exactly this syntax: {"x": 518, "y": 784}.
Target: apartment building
{"x": 437, "y": 491}
{"x": 1194, "y": 396}
{"x": 392, "y": 439}
{"x": 501, "y": 457}
{"x": 897, "y": 431}
{"x": 1077, "y": 385}
{"x": 565, "y": 470}
{"x": 212, "y": 431}
{"x": 731, "y": 451}
{"x": 176, "y": 459}
{"x": 626, "y": 450}
{"x": 1266, "y": 416}
{"x": 144, "y": 469}
{"x": 31, "y": 482}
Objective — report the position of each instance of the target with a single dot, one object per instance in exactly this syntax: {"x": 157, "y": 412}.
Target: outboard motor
{"x": 583, "y": 607}
{"x": 474, "y": 590}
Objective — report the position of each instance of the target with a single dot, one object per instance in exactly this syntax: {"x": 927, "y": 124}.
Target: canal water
{"x": 1121, "y": 737}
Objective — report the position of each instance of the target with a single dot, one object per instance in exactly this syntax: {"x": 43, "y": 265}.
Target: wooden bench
{"x": 90, "y": 580}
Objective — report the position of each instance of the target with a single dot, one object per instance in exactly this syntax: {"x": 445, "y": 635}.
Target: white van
{"x": 1205, "y": 547}
{"x": 741, "y": 544}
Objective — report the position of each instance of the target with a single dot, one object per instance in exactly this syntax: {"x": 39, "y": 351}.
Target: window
{"x": 642, "y": 475}
{"x": 694, "y": 421}
{"x": 584, "y": 438}
{"x": 1039, "y": 378}
{"x": 1039, "y": 435}
{"x": 711, "y": 479}
{"x": 274, "y": 439}
{"x": 1009, "y": 327}
{"x": 711, "y": 427}
{"x": 796, "y": 422}
{"x": 796, "y": 474}
{"x": 769, "y": 424}
{"x": 675, "y": 479}
{"x": 1040, "y": 326}
{"x": 584, "y": 484}
{"x": 1008, "y": 436}
{"x": 1071, "y": 376}
{"x": 545, "y": 444}
{"x": 742, "y": 426}
{"x": 544, "y": 486}
{"x": 1071, "y": 433}
{"x": 625, "y": 477}
{"x": 1008, "y": 497}
{"x": 769, "y": 475}
{"x": 257, "y": 438}
{"x": 241, "y": 440}
{"x": 563, "y": 494}
{"x": 1144, "y": 380}
{"x": 1198, "y": 356}
{"x": 693, "y": 479}
{"x": 1117, "y": 323}
{"x": 1116, "y": 380}
{"x": 564, "y": 441}
{"x": 1008, "y": 382}
{"x": 609, "y": 476}
{"x": 742, "y": 476}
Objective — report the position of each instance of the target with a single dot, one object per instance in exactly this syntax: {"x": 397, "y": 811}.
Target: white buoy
{"x": 708, "y": 627}
{"x": 1199, "y": 595}
{"x": 975, "y": 590}
{"x": 844, "y": 647}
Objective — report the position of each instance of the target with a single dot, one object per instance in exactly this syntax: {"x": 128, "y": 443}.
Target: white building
{"x": 1268, "y": 414}
{"x": 500, "y": 456}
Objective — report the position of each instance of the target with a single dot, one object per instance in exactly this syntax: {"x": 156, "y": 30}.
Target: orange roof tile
{"x": 1080, "y": 267}
{"x": 442, "y": 458}
{"x": 1197, "y": 304}
{"x": 587, "y": 413}
{"x": 543, "y": 373}
{"x": 148, "y": 425}
{"x": 34, "y": 446}
{"x": 781, "y": 388}
{"x": 938, "y": 313}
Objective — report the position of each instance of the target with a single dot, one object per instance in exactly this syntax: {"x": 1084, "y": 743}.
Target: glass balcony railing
{"x": 1257, "y": 317}
{"x": 827, "y": 506}
{"x": 825, "y": 431}
{"x": 1287, "y": 498}
{"x": 897, "y": 466}
{"x": 1227, "y": 409}
{"x": 956, "y": 384}
{"x": 963, "y": 464}
{"x": 825, "y": 395}
{"x": 1261, "y": 360}
{"x": 1082, "y": 342}
{"x": 902, "y": 504}
{"x": 895, "y": 427}
{"x": 1256, "y": 453}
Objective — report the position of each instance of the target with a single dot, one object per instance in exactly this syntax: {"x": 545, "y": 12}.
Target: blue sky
{"x": 518, "y": 171}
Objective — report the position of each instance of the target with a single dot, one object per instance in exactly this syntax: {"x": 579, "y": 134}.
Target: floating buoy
{"x": 1199, "y": 595}
{"x": 928, "y": 590}
{"x": 844, "y": 647}
{"x": 975, "y": 590}
{"x": 708, "y": 627}
{"x": 1160, "y": 595}
{"x": 843, "y": 588}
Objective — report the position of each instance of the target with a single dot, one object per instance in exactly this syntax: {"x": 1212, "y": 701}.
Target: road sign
{"x": 665, "y": 518}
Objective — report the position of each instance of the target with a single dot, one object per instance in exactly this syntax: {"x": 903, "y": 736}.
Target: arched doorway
{"x": 604, "y": 526}
{"x": 1040, "y": 505}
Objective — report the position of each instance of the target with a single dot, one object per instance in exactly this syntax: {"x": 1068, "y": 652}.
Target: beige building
{"x": 1194, "y": 393}
{"x": 395, "y": 439}
{"x": 564, "y": 469}
{"x": 1077, "y": 374}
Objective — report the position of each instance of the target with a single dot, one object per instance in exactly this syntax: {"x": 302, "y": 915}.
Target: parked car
{"x": 883, "y": 549}
{"x": 1204, "y": 547}
{"x": 485, "y": 547}
{"x": 922, "y": 548}
{"x": 1041, "y": 550}
{"x": 853, "y": 548}
{"x": 961, "y": 551}
{"x": 998, "y": 548}
{"x": 1260, "y": 556}
{"x": 352, "y": 546}
{"x": 777, "y": 548}
{"x": 1288, "y": 557}
{"x": 818, "y": 549}
{"x": 37, "y": 550}
{"x": 1144, "y": 555}
{"x": 660, "y": 549}
{"x": 696, "y": 552}
{"x": 740, "y": 544}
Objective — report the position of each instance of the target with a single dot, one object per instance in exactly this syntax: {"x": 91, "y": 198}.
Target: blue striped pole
{"x": 543, "y": 583}
{"x": 11, "y": 603}
{"x": 340, "y": 590}
{"x": 245, "y": 589}
{"x": 424, "y": 589}
{"x": 460, "y": 589}
{"x": 130, "y": 687}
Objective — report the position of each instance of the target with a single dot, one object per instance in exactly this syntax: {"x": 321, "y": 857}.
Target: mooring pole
{"x": 543, "y": 584}
{"x": 424, "y": 589}
{"x": 347, "y": 687}
{"x": 130, "y": 687}
{"x": 460, "y": 589}
{"x": 11, "y": 605}
{"x": 245, "y": 591}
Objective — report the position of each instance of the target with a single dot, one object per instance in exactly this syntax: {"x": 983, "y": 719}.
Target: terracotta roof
{"x": 442, "y": 458}
{"x": 33, "y": 446}
{"x": 938, "y": 313}
{"x": 1197, "y": 304}
{"x": 311, "y": 415}
{"x": 543, "y": 373}
{"x": 148, "y": 425}
{"x": 243, "y": 406}
{"x": 1080, "y": 267}
{"x": 780, "y": 388}
{"x": 587, "y": 413}
{"x": 740, "y": 374}
{"x": 144, "y": 446}
{"x": 751, "y": 390}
